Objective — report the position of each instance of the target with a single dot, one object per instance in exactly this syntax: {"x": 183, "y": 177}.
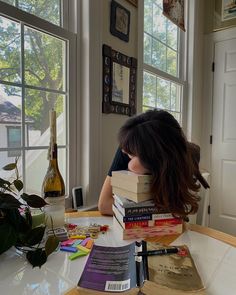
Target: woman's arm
{"x": 105, "y": 199}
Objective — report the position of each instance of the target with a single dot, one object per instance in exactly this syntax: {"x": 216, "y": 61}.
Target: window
{"x": 162, "y": 73}
{"x": 14, "y": 140}
{"x": 34, "y": 75}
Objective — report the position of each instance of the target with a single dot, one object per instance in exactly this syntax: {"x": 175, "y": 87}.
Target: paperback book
{"x": 131, "y": 208}
{"x": 136, "y": 197}
{"x": 117, "y": 269}
{"x": 146, "y": 220}
{"x": 131, "y": 176}
{"x": 164, "y": 229}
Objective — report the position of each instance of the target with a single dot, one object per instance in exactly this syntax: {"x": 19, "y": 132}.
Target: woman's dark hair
{"x": 158, "y": 140}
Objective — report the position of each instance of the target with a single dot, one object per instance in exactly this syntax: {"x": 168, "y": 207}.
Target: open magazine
{"x": 117, "y": 269}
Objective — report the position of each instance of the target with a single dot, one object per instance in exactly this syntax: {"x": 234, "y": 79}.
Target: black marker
{"x": 158, "y": 252}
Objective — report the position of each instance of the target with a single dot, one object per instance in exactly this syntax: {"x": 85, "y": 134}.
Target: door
{"x": 223, "y": 189}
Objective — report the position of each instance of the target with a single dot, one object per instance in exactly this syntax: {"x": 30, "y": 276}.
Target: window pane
{"x": 14, "y": 140}
{"x": 163, "y": 35}
{"x": 9, "y": 50}
{"x": 175, "y": 97}
{"x": 147, "y": 49}
{"x": 45, "y": 9}
{"x": 159, "y": 24}
{"x": 149, "y": 90}
{"x": 163, "y": 94}
{"x": 37, "y": 164}
{"x": 148, "y": 16}
{"x": 10, "y": 111}
{"x": 49, "y": 10}
{"x": 172, "y": 62}
{"x": 172, "y": 35}
{"x": 159, "y": 55}
{"x": 44, "y": 60}
{"x": 37, "y": 106}
{"x": 4, "y": 160}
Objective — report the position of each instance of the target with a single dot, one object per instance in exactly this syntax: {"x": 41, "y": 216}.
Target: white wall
{"x": 99, "y": 133}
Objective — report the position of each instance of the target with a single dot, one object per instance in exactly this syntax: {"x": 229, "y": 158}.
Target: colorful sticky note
{"x": 89, "y": 244}
{"x": 82, "y": 248}
{"x": 69, "y": 249}
{"x": 77, "y": 255}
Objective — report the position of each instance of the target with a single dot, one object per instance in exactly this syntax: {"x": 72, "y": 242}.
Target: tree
{"x": 43, "y": 61}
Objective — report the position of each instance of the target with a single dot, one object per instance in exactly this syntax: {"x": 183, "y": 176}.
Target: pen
{"x": 158, "y": 252}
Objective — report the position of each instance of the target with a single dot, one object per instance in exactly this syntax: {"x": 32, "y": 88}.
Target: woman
{"x": 154, "y": 143}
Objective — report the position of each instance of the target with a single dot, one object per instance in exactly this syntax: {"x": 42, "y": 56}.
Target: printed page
{"x": 110, "y": 269}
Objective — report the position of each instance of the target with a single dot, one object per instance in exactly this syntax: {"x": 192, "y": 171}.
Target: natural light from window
{"x": 162, "y": 86}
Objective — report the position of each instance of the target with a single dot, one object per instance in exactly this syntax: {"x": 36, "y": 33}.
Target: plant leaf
{"x": 37, "y": 257}
{"x": 10, "y": 166}
{"x": 9, "y": 236}
{"x": 33, "y": 201}
{"x": 8, "y": 201}
{"x": 34, "y": 236}
{"x": 51, "y": 245}
{"x": 18, "y": 184}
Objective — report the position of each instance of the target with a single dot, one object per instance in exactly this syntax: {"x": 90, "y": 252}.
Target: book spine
{"x": 151, "y": 223}
{"x": 147, "y": 217}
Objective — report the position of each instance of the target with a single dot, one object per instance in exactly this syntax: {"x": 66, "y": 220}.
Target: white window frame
{"x": 33, "y": 21}
{"x": 182, "y": 64}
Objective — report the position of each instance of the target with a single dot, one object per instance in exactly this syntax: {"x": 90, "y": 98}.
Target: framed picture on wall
{"x": 224, "y": 15}
{"x": 228, "y": 10}
{"x": 119, "y": 82}
{"x": 133, "y": 2}
{"x": 119, "y": 21}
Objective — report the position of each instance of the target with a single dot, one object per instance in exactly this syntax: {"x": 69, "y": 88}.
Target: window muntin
{"x": 49, "y": 10}
{"x": 162, "y": 84}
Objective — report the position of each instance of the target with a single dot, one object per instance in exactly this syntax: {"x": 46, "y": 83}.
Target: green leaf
{"x": 8, "y": 201}
{"x": 18, "y": 184}
{"x": 10, "y": 166}
{"x": 37, "y": 257}
{"x": 8, "y": 236}
{"x": 33, "y": 201}
{"x": 51, "y": 245}
{"x": 34, "y": 236}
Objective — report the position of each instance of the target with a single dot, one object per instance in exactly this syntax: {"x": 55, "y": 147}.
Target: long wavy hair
{"x": 157, "y": 139}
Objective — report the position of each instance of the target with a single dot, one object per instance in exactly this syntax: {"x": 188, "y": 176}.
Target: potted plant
{"x": 16, "y": 221}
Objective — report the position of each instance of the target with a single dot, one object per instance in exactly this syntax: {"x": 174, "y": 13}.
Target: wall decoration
{"x": 224, "y": 14}
{"x": 119, "y": 82}
{"x": 133, "y": 2}
{"x": 120, "y": 21}
{"x": 228, "y": 10}
{"x": 174, "y": 11}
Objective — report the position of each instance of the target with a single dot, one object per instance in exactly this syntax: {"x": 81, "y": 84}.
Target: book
{"x": 131, "y": 208}
{"x": 146, "y": 232}
{"x": 130, "y": 185}
{"x": 141, "y": 217}
{"x": 157, "y": 220}
{"x": 117, "y": 269}
{"x": 136, "y": 197}
{"x": 131, "y": 176}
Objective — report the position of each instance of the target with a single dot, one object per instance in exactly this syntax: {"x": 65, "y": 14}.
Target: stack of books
{"x": 135, "y": 213}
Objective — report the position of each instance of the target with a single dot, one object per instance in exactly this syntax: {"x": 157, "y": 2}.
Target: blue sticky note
{"x": 68, "y": 249}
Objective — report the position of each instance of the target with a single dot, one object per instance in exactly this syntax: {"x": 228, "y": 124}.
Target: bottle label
{"x": 55, "y": 211}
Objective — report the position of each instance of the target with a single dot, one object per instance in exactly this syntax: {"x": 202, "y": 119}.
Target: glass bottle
{"x": 53, "y": 187}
